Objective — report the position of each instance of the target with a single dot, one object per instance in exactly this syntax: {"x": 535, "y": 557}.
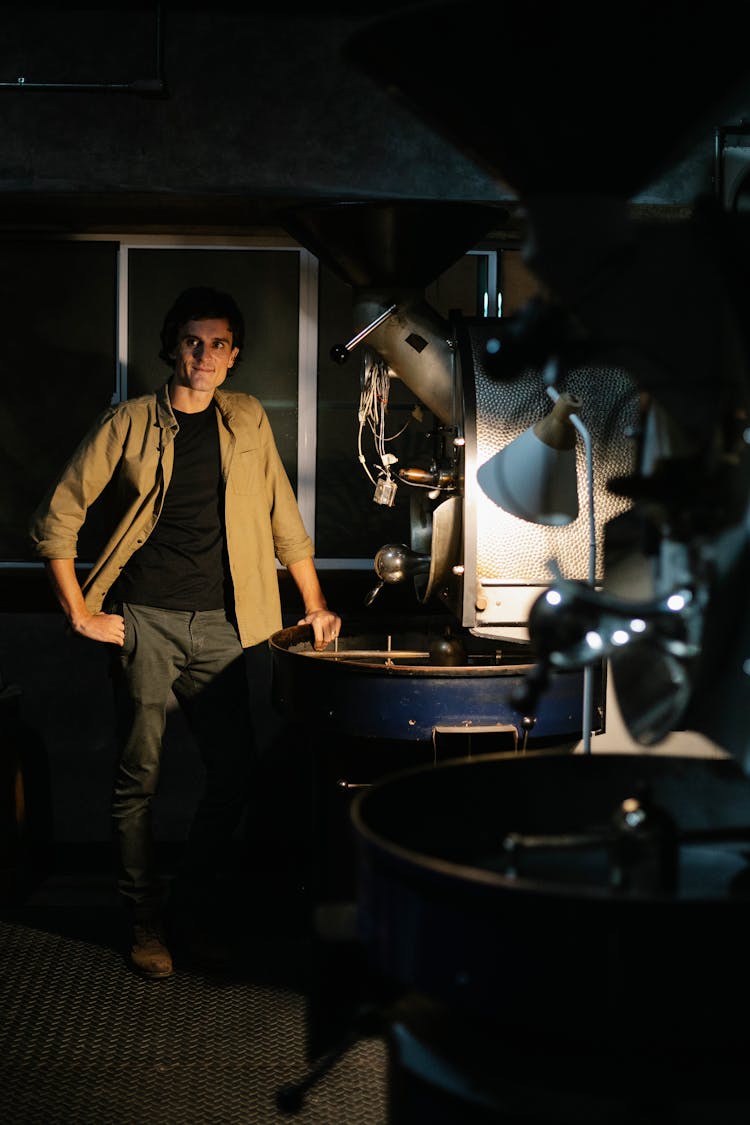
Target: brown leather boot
{"x": 149, "y": 955}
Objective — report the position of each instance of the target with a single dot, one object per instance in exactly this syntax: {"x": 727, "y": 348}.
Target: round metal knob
{"x": 395, "y": 562}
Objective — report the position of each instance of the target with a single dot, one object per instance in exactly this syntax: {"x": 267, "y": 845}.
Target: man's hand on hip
{"x": 108, "y": 628}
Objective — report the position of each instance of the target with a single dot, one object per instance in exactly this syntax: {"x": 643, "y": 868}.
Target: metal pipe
{"x": 340, "y": 352}
{"x": 145, "y": 87}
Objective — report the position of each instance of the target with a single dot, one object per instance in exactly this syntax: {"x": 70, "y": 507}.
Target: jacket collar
{"x": 164, "y": 413}
{"x": 224, "y": 403}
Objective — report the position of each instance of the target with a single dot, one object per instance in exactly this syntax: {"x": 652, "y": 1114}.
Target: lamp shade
{"x": 534, "y": 477}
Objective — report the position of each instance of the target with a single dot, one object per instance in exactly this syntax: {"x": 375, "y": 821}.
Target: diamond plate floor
{"x": 84, "y": 1041}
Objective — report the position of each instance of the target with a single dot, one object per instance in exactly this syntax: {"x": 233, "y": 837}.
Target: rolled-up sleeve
{"x": 56, "y": 523}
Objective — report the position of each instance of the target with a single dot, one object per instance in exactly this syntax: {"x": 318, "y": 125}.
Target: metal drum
{"x": 389, "y": 687}
{"x": 515, "y": 889}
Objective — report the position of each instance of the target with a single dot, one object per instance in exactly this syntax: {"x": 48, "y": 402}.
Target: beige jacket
{"x": 132, "y": 443}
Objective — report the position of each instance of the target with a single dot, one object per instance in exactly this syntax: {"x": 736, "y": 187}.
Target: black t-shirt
{"x": 182, "y": 563}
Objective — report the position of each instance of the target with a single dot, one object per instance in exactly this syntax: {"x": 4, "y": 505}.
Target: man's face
{"x": 204, "y": 354}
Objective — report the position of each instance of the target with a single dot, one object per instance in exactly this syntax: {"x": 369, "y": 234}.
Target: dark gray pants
{"x": 198, "y": 656}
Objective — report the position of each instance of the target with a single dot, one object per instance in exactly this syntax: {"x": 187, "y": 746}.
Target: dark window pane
{"x": 460, "y": 287}
{"x": 58, "y": 360}
{"x": 517, "y": 281}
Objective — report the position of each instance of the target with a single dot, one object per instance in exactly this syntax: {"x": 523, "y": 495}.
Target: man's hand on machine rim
{"x": 326, "y": 626}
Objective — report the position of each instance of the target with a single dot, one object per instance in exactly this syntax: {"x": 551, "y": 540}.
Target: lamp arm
{"x": 588, "y": 449}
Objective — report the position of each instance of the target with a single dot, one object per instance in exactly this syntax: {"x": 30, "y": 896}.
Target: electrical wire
{"x": 372, "y": 411}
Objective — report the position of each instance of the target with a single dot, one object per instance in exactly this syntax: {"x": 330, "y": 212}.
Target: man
{"x": 186, "y": 583}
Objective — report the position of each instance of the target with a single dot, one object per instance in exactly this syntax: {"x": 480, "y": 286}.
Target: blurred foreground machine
{"x": 561, "y": 939}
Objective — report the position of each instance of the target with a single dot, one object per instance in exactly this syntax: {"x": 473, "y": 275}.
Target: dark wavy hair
{"x": 201, "y": 302}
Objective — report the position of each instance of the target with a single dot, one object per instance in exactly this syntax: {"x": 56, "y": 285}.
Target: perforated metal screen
{"x": 504, "y": 548}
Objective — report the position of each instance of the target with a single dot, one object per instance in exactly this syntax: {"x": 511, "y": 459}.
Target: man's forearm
{"x": 109, "y": 628}
{"x": 326, "y": 624}
{"x": 306, "y": 580}
{"x": 67, "y": 589}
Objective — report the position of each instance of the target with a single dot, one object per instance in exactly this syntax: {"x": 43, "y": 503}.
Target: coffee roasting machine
{"x": 481, "y": 565}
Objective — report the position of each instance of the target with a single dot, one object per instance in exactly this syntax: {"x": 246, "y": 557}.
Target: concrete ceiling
{"x": 257, "y": 109}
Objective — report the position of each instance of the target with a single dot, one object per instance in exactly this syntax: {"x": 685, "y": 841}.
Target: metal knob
{"x": 395, "y": 561}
